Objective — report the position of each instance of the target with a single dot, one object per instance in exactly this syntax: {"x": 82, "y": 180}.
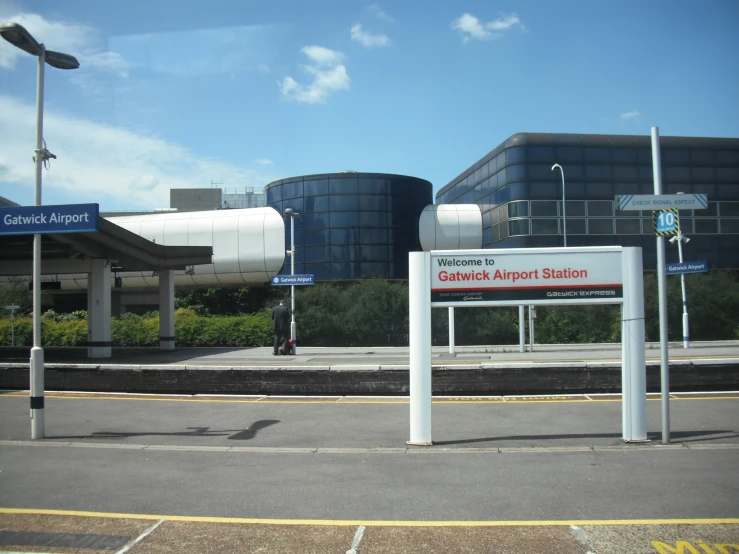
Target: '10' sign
{"x": 666, "y": 222}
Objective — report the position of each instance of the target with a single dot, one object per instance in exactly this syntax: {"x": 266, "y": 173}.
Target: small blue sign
{"x": 665, "y": 222}
{"x": 686, "y": 267}
{"x": 64, "y": 218}
{"x": 293, "y": 280}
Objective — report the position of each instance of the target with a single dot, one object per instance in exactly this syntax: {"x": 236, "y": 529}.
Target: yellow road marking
{"x": 267, "y": 400}
{"x": 375, "y": 523}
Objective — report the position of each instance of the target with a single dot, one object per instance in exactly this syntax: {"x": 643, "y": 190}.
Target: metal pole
{"x": 686, "y": 329}
{"x": 451, "y": 329}
{"x": 662, "y": 292}
{"x": 564, "y": 210}
{"x": 292, "y": 287}
{"x": 531, "y": 329}
{"x": 521, "y": 330}
{"x": 37, "y": 352}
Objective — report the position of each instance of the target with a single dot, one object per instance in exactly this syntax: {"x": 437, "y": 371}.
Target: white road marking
{"x": 357, "y": 539}
{"x": 140, "y": 537}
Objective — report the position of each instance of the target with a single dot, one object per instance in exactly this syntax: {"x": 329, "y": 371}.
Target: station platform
{"x": 470, "y": 370}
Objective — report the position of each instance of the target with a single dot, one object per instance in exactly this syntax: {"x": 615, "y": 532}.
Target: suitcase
{"x": 285, "y": 348}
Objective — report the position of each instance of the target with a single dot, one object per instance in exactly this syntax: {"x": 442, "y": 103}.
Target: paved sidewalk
{"x": 311, "y": 356}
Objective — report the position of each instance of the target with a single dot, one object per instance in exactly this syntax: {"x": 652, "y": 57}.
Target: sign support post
{"x": 419, "y": 288}
{"x": 451, "y": 329}
{"x": 662, "y": 293}
{"x": 633, "y": 362}
{"x": 521, "y": 330}
{"x": 532, "y": 276}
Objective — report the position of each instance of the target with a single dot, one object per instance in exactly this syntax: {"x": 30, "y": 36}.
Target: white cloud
{"x": 329, "y": 75}
{"x": 376, "y": 10}
{"x": 633, "y": 115}
{"x": 101, "y": 163}
{"x": 367, "y": 39}
{"x": 471, "y": 27}
{"x": 263, "y": 68}
{"x": 323, "y": 56}
{"x": 81, "y": 41}
{"x": 264, "y": 161}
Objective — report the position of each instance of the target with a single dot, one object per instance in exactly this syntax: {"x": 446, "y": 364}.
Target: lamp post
{"x": 18, "y": 36}
{"x": 564, "y": 211}
{"x": 680, "y": 239}
{"x": 292, "y": 215}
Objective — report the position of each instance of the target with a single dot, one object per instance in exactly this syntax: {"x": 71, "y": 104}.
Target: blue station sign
{"x": 64, "y": 218}
{"x": 293, "y": 280}
{"x": 686, "y": 267}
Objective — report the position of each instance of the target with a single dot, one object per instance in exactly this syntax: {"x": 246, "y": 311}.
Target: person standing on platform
{"x": 280, "y": 325}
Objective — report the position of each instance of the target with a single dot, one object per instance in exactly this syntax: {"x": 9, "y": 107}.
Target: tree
{"x": 15, "y": 292}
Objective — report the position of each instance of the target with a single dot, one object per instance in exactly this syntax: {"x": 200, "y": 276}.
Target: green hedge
{"x": 374, "y": 312}
{"x": 133, "y": 330}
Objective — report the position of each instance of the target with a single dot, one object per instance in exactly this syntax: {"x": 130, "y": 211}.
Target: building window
{"x": 600, "y": 226}
{"x": 518, "y": 227}
{"x": 373, "y": 236}
{"x": 544, "y": 208}
{"x": 569, "y": 154}
{"x": 710, "y": 211}
{"x": 541, "y": 154}
{"x": 343, "y": 203}
{"x": 347, "y": 185}
{"x": 576, "y": 226}
{"x": 344, "y": 219}
{"x": 316, "y": 203}
{"x": 544, "y": 227}
{"x": 373, "y": 253}
{"x": 600, "y": 208}
{"x": 729, "y": 226}
{"x": 686, "y": 225}
{"x": 598, "y": 155}
{"x": 373, "y": 219}
{"x": 515, "y": 155}
{"x": 706, "y": 226}
{"x": 575, "y": 208}
{"x": 628, "y": 227}
{"x": 729, "y": 208}
{"x": 624, "y": 156}
{"x": 318, "y": 187}
{"x": 518, "y": 209}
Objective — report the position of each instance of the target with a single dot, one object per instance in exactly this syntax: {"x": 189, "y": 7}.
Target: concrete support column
{"x": 166, "y": 309}
{"x": 98, "y": 310}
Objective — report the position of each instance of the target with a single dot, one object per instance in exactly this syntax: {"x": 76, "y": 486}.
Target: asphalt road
{"x": 265, "y": 474}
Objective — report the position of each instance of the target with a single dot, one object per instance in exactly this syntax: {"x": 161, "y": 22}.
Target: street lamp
{"x": 564, "y": 212}
{"x": 18, "y": 36}
{"x": 292, "y": 214}
{"x": 680, "y": 239}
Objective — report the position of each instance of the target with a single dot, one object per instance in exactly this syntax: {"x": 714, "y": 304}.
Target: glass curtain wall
{"x": 352, "y": 225}
{"x": 521, "y": 197}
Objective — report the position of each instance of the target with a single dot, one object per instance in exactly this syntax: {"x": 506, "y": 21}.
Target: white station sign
{"x": 539, "y": 276}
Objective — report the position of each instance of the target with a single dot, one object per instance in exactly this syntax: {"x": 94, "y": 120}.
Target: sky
{"x": 235, "y": 93}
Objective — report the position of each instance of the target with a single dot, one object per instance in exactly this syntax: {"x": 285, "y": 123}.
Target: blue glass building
{"x": 352, "y": 225}
{"x": 521, "y": 197}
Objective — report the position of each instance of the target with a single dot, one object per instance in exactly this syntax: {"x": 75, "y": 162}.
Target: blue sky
{"x": 179, "y": 93}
